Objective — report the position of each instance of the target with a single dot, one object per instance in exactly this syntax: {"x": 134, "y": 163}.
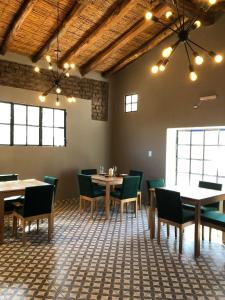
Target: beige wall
{"x": 165, "y": 101}
{"x": 87, "y": 145}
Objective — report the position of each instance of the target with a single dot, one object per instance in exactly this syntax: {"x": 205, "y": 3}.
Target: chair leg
{"x": 15, "y": 226}
{"x": 24, "y": 233}
{"x": 81, "y": 206}
{"x": 121, "y": 212}
{"x": 210, "y": 234}
{"x": 29, "y": 225}
{"x": 175, "y": 229}
{"x": 139, "y": 200}
{"x": 37, "y": 225}
{"x": 168, "y": 230}
{"x": 158, "y": 232}
{"x": 180, "y": 240}
{"x": 92, "y": 209}
{"x": 203, "y": 234}
{"x": 50, "y": 227}
{"x": 136, "y": 208}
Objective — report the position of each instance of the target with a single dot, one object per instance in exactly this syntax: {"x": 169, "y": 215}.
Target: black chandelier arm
{"x": 178, "y": 13}
{"x": 48, "y": 90}
{"x": 157, "y": 20}
{"x": 197, "y": 45}
{"x": 188, "y": 55}
{"x": 192, "y": 49}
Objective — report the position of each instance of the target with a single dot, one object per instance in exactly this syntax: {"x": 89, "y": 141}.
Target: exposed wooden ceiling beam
{"x": 111, "y": 17}
{"x": 135, "y": 54}
{"x": 122, "y": 40}
{"x": 73, "y": 12}
{"x": 16, "y": 22}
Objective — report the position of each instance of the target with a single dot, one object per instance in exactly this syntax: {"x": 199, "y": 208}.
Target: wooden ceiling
{"x": 96, "y": 35}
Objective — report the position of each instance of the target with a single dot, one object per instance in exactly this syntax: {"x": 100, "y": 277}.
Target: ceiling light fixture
{"x": 183, "y": 30}
{"x": 57, "y": 74}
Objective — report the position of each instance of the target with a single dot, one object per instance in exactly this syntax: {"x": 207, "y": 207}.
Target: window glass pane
{"x": 5, "y": 134}
{"x": 183, "y": 165}
{"x": 33, "y": 115}
{"x": 182, "y": 179}
{"x": 58, "y": 118}
{"x": 210, "y": 168}
{"x": 184, "y": 137}
{"x": 128, "y": 108}
{"x": 197, "y": 152}
{"x": 222, "y": 137}
{"x": 222, "y": 180}
{"x": 5, "y": 113}
{"x": 221, "y": 169}
{"x": 134, "y": 106}
{"x": 196, "y": 166}
{"x": 47, "y": 136}
{"x": 135, "y": 98}
{"x": 19, "y": 135}
{"x": 209, "y": 178}
{"x": 183, "y": 151}
{"x": 197, "y": 137}
{"x": 32, "y": 135}
{"x": 47, "y": 117}
{"x": 211, "y": 152}
{"x": 20, "y": 114}
{"x": 128, "y": 99}
{"x": 211, "y": 137}
{"x": 195, "y": 179}
{"x": 58, "y": 137}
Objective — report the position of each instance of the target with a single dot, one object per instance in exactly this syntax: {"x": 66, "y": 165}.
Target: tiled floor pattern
{"x": 106, "y": 260}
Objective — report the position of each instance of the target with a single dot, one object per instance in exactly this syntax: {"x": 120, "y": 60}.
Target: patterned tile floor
{"x": 106, "y": 260}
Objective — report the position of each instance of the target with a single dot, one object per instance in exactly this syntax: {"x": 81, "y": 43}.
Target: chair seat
{"x": 98, "y": 192}
{"x": 214, "y": 217}
{"x": 204, "y": 208}
{"x": 116, "y": 193}
{"x": 188, "y": 215}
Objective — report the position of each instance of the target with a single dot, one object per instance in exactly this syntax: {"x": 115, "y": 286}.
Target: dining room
{"x": 112, "y": 149}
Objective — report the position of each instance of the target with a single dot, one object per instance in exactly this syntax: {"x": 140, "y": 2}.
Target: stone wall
{"x": 22, "y": 76}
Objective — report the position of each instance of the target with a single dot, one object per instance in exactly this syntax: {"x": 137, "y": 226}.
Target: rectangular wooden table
{"x": 13, "y": 188}
{"x": 107, "y": 182}
{"x": 190, "y": 195}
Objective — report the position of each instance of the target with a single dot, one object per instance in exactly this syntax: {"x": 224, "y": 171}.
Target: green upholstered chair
{"x": 53, "y": 181}
{"x": 37, "y": 205}
{"x": 127, "y": 193}
{"x": 8, "y": 202}
{"x": 213, "y": 219}
{"x": 171, "y": 211}
{"x": 89, "y": 171}
{"x": 139, "y": 194}
{"x": 88, "y": 192}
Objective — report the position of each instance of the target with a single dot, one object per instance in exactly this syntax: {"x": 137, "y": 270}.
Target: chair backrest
{"x": 8, "y": 177}
{"x": 89, "y": 171}
{"x": 85, "y": 185}
{"x": 38, "y": 200}
{"x": 169, "y": 205}
{"x": 53, "y": 181}
{"x": 137, "y": 173}
{"x": 210, "y": 185}
{"x": 155, "y": 183}
{"x": 130, "y": 187}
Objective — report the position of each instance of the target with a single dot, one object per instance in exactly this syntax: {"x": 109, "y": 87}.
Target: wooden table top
{"x": 19, "y": 185}
{"x": 106, "y": 178}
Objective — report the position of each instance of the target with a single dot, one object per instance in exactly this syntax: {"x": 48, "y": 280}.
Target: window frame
{"x": 132, "y": 102}
{"x": 39, "y": 126}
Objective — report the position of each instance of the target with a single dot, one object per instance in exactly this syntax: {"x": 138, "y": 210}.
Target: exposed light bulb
{"x": 155, "y": 69}
{"x": 162, "y": 68}
{"x": 199, "y": 59}
{"x": 66, "y": 66}
{"x": 169, "y": 14}
{"x": 148, "y": 15}
{"x": 167, "y": 52}
{"x": 48, "y": 58}
{"x": 69, "y": 99}
{"x": 218, "y": 58}
{"x": 197, "y": 24}
{"x": 37, "y": 69}
{"x": 50, "y": 67}
{"x": 193, "y": 76}
{"x": 58, "y": 90}
{"x": 42, "y": 98}
{"x": 57, "y": 103}
{"x": 72, "y": 66}
{"x": 212, "y": 2}
{"x": 74, "y": 100}
{"x": 67, "y": 74}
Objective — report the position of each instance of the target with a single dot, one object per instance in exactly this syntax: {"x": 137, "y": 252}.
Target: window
{"x": 131, "y": 102}
{"x": 31, "y": 125}
{"x": 196, "y": 154}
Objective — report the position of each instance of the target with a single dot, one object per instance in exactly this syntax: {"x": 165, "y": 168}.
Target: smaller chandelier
{"x": 183, "y": 31}
{"x": 58, "y": 75}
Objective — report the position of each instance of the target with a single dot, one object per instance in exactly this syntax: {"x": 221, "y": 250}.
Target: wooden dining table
{"x": 190, "y": 195}
{"x": 13, "y": 188}
{"x": 107, "y": 182}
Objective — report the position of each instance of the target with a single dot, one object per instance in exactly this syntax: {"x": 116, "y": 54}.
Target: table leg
{"x": 197, "y": 230}
{"x": 152, "y": 214}
{"x": 1, "y": 220}
{"x": 223, "y": 233}
{"x": 107, "y": 200}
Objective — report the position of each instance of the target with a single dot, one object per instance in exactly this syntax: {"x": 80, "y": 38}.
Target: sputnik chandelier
{"x": 57, "y": 74}
{"x": 182, "y": 28}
